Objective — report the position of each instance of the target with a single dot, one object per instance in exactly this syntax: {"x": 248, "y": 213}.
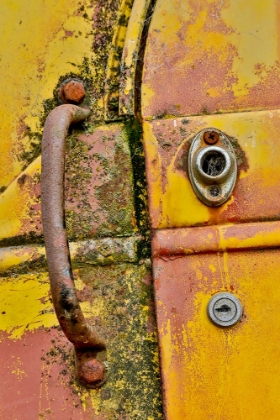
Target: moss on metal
{"x": 123, "y": 294}
{"x": 118, "y": 297}
{"x": 118, "y": 302}
{"x": 133, "y": 130}
{"x": 91, "y": 71}
{"x": 99, "y": 179}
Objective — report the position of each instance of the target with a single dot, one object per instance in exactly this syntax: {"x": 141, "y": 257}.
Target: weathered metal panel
{"x": 211, "y": 372}
{"x": 37, "y": 361}
{"x": 95, "y": 163}
{"x": 209, "y": 56}
{"x": 44, "y": 43}
{"x": 215, "y": 65}
{"x": 41, "y": 42}
{"x": 72, "y": 39}
{"x": 130, "y": 57}
{"x": 254, "y": 137}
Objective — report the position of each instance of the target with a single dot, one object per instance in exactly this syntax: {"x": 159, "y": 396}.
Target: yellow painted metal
{"x": 173, "y": 202}
{"x": 218, "y": 238}
{"x": 16, "y": 201}
{"x": 130, "y": 56}
{"x": 20, "y": 203}
{"x": 215, "y": 64}
{"x": 34, "y": 308}
{"x": 41, "y": 41}
{"x": 111, "y": 97}
{"x": 27, "y": 319}
{"x": 13, "y": 257}
{"x": 209, "y": 56}
{"x": 214, "y": 373}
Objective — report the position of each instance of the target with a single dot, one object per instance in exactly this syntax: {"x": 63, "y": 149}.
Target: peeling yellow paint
{"x": 220, "y": 371}
{"x": 14, "y": 257}
{"x": 35, "y": 64}
{"x": 42, "y": 42}
{"x": 33, "y": 307}
{"x": 130, "y": 55}
{"x": 114, "y": 58}
{"x": 211, "y": 49}
{"x": 256, "y": 40}
{"x": 173, "y": 203}
{"x": 15, "y": 202}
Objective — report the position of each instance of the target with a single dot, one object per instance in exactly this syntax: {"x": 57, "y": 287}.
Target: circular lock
{"x": 213, "y": 164}
{"x": 212, "y": 167}
{"x": 224, "y": 309}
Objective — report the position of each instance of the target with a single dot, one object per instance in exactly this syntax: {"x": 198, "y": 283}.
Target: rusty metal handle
{"x": 89, "y": 370}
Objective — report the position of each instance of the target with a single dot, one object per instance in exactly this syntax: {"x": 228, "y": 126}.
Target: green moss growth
{"x": 133, "y": 130}
{"x": 127, "y": 321}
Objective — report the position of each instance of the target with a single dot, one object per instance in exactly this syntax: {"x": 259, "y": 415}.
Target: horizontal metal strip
{"x": 187, "y": 241}
{"x": 103, "y": 251}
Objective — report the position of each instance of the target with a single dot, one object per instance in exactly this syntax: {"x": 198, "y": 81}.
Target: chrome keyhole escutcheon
{"x": 212, "y": 167}
{"x": 224, "y": 309}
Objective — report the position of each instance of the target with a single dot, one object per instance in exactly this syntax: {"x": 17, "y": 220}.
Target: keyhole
{"x": 213, "y": 163}
{"x": 223, "y": 309}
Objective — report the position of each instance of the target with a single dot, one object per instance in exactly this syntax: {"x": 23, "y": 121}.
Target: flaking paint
{"x": 212, "y": 56}
{"x": 173, "y": 202}
{"x": 225, "y": 368}
{"x": 214, "y": 64}
{"x": 62, "y": 41}
{"x": 72, "y": 40}
{"x": 34, "y": 351}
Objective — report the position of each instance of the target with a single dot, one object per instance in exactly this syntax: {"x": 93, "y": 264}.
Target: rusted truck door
{"x": 210, "y": 99}
{"x": 45, "y": 43}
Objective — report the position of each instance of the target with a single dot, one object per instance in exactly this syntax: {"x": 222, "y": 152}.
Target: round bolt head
{"x": 215, "y": 191}
{"x": 211, "y": 137}
{"x": 72, "y": 92}
{"x": 92, "y": 372}
{"x": 224, "y": 309}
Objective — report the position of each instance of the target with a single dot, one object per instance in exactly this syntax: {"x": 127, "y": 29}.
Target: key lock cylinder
{"x": 212, "y": 167}
{"x": 212, "y": 172}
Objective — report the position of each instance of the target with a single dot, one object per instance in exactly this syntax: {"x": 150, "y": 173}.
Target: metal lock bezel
{"x": 231, "y": 299}
{"x": 212, "y": 190}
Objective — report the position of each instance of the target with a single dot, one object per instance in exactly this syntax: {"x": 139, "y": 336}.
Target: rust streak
{"x": 208, "y": 239}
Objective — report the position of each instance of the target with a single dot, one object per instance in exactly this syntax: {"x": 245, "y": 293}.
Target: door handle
{"x": 89, "y": 370}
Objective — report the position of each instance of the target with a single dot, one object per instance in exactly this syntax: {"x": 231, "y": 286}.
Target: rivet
{"x": 72, "y": 92}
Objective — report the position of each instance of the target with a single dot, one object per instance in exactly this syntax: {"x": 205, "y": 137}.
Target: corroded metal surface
{"x": 70, "y": 42}
{"x": 211, "y": 56}
{"x": 37, "y": 361}
{"x": 72, "y": 92}
{"x": 130, "y": 56}
{"x": 172, "y": 200}
{"x": 97, "y": 203}
{"x": 37, "y": 365}
{"x": 65, "y": 301}
{"x": 213, "y": 64}
{"x": 99, "y": 196}
{"x": 106, "y": 251}
{"x": 219, "y": 238}
{"x": 111, "y": 98}
{"x": 208, "y": 372}
{"x": 212, "y": 168}
{"x": 211, "y": 136}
